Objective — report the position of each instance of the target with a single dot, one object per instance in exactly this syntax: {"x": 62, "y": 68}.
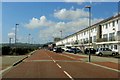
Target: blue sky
{"x": 44, "y": 20}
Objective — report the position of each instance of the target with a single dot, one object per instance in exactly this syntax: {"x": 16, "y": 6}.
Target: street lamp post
{"x": 29, "y": 38}
{"x": 89, "y": 7}
{"x": 61, "y": 34}
{"x": 118, "y": 7}
{"x": 10, "y": 41}
{"x": 61, "y": 37}
{"x": 16, "y": 33}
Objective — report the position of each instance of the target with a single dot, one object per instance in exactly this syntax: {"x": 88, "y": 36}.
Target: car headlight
{"x": 97, "y": 52}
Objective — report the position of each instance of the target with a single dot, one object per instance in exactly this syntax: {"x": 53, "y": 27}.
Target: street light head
{"x": 29, "y": 34}
{"x": 17, "y": 24}
{"x": 87, "y": 6}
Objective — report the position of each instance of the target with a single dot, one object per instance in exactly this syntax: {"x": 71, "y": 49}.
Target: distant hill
{"x": 21, "y": 45}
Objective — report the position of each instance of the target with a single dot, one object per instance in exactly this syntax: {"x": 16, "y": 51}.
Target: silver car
{"x": 105, "y": 51}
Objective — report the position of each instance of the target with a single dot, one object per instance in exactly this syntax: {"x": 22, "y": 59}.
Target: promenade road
{"x": 44, "y": 64}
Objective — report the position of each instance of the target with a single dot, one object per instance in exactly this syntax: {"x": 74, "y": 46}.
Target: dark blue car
{"x": 74, "y": 50}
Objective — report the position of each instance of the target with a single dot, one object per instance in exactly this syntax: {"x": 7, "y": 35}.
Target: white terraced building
{"x": 106, "y": 33}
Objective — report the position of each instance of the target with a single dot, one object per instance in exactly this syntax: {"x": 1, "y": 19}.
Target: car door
{"x": 104, "y": 51}
{"x": 107, "y": 51}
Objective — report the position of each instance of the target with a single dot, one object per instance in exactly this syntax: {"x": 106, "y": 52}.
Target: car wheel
{"x": 117, "y": 53}
{"x": 113, "y": 54}
{"x": 100, "y": 54}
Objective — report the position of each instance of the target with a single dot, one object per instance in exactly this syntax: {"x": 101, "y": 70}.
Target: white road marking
{"x": 71, "y": 57}
{"x": 50, "y": 61}
{"x": 37, "y": 60}
{"x": 104, "y": 67}
{"x": 54, "y": 61}
{"x": 59, "y": 66}
{"x": 52, "y": 58}
{"x": 68, "y": 75}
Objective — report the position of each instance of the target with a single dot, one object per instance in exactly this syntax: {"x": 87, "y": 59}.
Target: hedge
{"x": 6, "y": 50}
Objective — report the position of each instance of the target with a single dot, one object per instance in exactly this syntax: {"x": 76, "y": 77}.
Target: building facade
{"x": 105, "y": 33}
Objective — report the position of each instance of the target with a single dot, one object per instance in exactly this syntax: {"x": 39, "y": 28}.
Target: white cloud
{"x": 77, "y": 20}
{"x": 11, "y": 35}
{"x": 115, "y": 13}
{"x": 71, "y": 14}
{"x": 67, "y": 28}
{"x": 34, "y": 23}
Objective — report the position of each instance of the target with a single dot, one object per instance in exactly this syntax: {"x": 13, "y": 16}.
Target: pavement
{"x": 7, "y": 61}
{"x": 97, "y": 58}
{"x": 10, "y": 60}
{"x": 44, "y": 64}
{"x": 109, "y": 62}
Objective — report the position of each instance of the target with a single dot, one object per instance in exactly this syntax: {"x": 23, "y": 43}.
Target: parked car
{"x": 66, "y": 48}
{"x": 105, "y": 51}
{"x": 117, "y": 52}
{"x": 92, "y": 51}
{"x": 74, "y": 50}
{"x": 59, "y": 50}
{"x": 51, "y": 49}
{"x": 54, "y": 49}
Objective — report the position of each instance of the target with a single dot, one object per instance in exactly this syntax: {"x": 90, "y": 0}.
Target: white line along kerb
{"x": 68, "y": 75}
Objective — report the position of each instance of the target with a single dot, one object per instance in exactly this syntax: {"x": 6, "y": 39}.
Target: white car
{"x": 66, "y": 48}
{"x": 54, "y": 49}
{"x": 105, "y": 51}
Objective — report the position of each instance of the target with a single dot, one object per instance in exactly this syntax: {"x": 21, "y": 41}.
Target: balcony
{"x": 111, "y": 38}
{"x": 76, "y": 42}
{"x": 90, "y": 41}
{"x": 102, "y": 40}
{"x": 85, "y": 42}
{"x": 106, "y": 40}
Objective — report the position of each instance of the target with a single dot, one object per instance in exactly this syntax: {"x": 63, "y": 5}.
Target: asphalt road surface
{"x": 44, "y": 64}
